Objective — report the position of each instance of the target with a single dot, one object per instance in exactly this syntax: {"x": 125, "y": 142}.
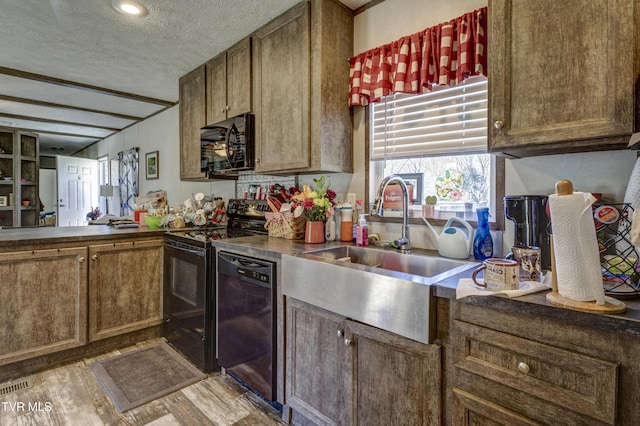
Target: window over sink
{"x": 438, "y": 143}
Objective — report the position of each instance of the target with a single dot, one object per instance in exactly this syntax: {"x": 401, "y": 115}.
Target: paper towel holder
{"x": 611, "y": 305}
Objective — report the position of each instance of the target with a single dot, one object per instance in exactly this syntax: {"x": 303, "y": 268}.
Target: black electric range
{"x": 189, "y": 288}
{"x": 246, "y": 217}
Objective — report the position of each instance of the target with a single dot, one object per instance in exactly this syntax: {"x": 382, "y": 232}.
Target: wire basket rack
{"x": 619, "y": 259}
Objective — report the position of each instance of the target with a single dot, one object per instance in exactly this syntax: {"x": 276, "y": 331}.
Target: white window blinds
{"x": 448, "y": 120}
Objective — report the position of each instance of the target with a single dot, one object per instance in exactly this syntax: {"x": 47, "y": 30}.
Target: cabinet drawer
{"x": 568, "y": 379}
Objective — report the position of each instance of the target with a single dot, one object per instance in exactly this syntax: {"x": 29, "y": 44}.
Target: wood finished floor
{"x": 71, "y": 395}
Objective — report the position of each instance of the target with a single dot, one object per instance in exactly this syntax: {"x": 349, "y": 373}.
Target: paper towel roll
{"x": 576, "y": 247}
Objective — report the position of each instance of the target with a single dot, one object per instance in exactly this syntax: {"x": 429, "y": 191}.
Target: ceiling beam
{"x": 75, "y": 135}
{"x": 81, "y": 86}
{"x": 68, "y": 123}
{"x": 70, "y": 107}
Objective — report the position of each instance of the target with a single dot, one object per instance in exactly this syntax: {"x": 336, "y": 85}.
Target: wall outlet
{"x": 351, "y": 199}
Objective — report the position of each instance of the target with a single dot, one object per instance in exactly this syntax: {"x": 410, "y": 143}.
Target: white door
{"x": 78, "y": 189}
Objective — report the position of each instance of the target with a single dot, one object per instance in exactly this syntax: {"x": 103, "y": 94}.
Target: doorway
{"x": 78, "y": 188}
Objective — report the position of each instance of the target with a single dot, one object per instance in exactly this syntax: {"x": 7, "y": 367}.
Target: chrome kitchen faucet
{"x": 403, "y": 244}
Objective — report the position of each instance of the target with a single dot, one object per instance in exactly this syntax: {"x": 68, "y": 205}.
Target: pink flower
{"x": 308, "y": 203}
{"x": 455, "y": 194}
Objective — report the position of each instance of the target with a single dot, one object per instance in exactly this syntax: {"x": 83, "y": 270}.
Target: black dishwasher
{"x": 247, "y": 321}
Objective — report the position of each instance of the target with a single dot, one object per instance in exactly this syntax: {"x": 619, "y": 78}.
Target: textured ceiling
{"x": 89, "y": 42}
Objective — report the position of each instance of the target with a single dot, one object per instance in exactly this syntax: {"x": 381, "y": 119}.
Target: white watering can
{"x": 453, "y": 242}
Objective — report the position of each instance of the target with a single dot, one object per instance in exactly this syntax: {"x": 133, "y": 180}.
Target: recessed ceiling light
{"x": 129, "y": 7}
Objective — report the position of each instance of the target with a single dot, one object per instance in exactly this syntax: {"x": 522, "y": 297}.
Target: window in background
{"x": 441, "y": 138}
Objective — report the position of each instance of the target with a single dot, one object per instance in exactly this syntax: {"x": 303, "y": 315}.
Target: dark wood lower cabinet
{"x": 507, "y": 366}
{"x": 393, "y": 380}
{"x": 340, "y": 372}
{"x": 55, "y": 299}
{"x": 315, "y": 380}
{"x": 125, "y": 287}
{"x": 43, "y": 302}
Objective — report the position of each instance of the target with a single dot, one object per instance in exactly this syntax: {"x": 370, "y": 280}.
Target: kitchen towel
{"x": 466, "y": 287}
{"x": 576, "y": 247}
{"x": 632, "y": 193}
{"x": 631, "y": 196}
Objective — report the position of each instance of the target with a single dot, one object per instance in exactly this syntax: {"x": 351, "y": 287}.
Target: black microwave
{"x": 228, "y": 146}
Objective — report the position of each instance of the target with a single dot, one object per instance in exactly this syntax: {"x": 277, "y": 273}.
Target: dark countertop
{"x": 534, "y": 304}
{"x": 49, "y": 234}
{"x": 265, "y": 246}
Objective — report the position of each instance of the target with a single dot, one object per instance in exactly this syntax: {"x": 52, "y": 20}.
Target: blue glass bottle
{"x": 482, "y": 242}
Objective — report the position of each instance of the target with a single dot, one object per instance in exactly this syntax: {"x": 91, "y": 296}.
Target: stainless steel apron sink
{"x": 385, "y": 289}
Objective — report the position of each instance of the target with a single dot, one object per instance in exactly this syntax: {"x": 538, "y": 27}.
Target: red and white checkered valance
{"x": 445, "y": 55}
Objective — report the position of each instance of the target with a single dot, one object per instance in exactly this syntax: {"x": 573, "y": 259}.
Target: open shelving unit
{"x": 19, "y": 185}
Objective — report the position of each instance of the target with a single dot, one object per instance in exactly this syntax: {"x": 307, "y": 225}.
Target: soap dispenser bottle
{"x": 346, "y": 223}
{"x": 362, "y": 232}
{"x": 482, "y": 242}
{"x": 330, "y": 229}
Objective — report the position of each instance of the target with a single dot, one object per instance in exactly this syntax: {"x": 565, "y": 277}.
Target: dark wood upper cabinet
{"x": 228, "y": 83}
{"x": 301, "y": 87}
{"x": 562, "y": 75}
{"x": 192, "y": 119}
{"x": 213, "y": 92}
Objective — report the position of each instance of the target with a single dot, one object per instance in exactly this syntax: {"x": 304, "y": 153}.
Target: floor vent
{"x": 15, "y": 386}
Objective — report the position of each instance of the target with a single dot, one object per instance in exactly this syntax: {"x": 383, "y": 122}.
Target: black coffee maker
{"x": 532, "y": 223}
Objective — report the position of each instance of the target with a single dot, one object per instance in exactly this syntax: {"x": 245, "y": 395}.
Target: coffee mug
{"x": 499, "y": 274}
{"x": 529, "y": 259}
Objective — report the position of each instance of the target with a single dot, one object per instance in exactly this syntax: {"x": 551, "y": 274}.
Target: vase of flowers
{"x": 314, "y": 232}
{"x": 315, "y": 206}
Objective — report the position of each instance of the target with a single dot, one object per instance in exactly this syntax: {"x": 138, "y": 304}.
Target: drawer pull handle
{"x": 523, "y": 367}
{"x": 347, "y": 342}
{"x": 499, "y": 125}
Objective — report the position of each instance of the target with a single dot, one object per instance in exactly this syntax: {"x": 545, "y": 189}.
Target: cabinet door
{"x": 229, "y": 83}
{"x": 217, "y": 89}
{"x": 192, "y": 119}
{"x": 239, "y": 74}
{"x": 394, "y": 380}
{"x": 282, "y": 92}
{"x": 43, "y": 302}
{"x": 562, "y": 75}
{"x": 314, "y": 379}
{"x": 125, "y": 287}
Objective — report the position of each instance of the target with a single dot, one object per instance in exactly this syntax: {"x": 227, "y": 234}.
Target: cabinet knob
{"x": 348, "y": 342}
{"x": 81, "y": 259}
{"x": 257, "y": 160}
{"x": 222, "y": 110}
{"x": 523, "y": 367}
{"x": 499, "y": 125}
{"x": 94, "y": 257}
{"x": 340, "y": 333}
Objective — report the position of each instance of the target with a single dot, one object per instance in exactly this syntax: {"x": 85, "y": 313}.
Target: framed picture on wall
{"x": 414, "y": 182}
{"x": 151, "y": 160}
